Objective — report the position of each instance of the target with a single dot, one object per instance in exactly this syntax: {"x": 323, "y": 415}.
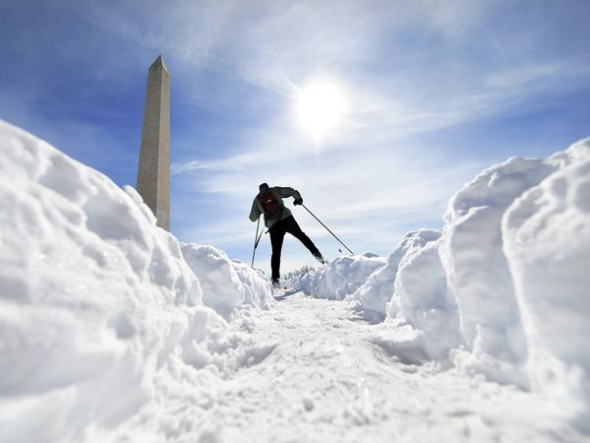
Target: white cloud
{"x": 229, "y": 164}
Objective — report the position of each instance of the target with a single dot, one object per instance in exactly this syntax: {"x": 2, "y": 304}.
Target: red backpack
{"x": 270, "y": 204}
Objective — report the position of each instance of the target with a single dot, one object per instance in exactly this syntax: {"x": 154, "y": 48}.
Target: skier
{"x": 279, "y": 220}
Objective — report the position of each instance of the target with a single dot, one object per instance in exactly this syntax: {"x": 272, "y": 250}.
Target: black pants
{"x": 277, "y": 234}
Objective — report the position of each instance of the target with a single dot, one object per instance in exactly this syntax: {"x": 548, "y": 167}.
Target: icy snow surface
{"x": 111, "y": 330}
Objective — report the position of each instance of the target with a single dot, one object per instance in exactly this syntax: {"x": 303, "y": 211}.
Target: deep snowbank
{"x": 226, "y": 284}
{"x": 504, "y": 290}
{"x": 547, "y": 232}
{"x": 98, "y": 307}
{"x": 340, "y": 277}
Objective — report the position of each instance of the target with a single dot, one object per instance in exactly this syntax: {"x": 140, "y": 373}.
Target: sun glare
{"x": 321, "y": 107}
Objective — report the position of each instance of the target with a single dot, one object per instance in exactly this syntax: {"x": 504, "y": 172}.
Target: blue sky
{"x": 428, "y": 93}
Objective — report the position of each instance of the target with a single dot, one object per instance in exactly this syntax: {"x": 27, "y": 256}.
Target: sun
{"x": 321, "y": 107}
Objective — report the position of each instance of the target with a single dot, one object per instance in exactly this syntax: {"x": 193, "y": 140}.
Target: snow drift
{"x": 503, "y": 289}
{"x": 547, "y": 232}
{"x": 227, "y": 284}
{"x": 98, "y": 306}
{"x": 341, "y": 277}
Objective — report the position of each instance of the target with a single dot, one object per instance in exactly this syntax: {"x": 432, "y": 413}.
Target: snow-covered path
{"x": 328, "y": 380}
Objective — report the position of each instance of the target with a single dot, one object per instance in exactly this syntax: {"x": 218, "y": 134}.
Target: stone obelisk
{"x": 153, "y": 175}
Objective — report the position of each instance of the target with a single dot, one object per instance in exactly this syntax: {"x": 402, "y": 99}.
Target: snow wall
{"x": 101, "y": 312}
{"x": 502, "y": 290}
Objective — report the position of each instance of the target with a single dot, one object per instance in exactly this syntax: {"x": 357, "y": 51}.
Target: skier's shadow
{"x": 285, "y": 295}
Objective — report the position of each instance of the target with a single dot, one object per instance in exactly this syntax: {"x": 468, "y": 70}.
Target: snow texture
{"x": 376, "y": 292}
{"x": 112, "y": 330}
{"x": 504, "y": 291}
{"x": 341, "y": 277}
{"x": 547, "y": 232}
{"x": 227, "y": 285}
{"x": 96, "y": 301}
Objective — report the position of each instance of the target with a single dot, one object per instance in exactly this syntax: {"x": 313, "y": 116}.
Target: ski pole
{"x": 256, "y": 240}
{"x": 328, "y": 229}
{"x": 259, "y": 237}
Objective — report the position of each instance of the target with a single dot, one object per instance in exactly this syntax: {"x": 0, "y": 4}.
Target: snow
{"x": 358, "y": 390}
{"x": 374, "y": 295}
{"x": 478, "y": 271}
{"x": 97, "y": 304}
{"x": 547, "y": 234}
{"x": 113, "y": 330}
{"x": 341, "y": 277}
{"x": 227, "y": 284}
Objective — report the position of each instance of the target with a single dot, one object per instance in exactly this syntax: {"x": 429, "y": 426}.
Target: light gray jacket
{"x": 279, "y": 192}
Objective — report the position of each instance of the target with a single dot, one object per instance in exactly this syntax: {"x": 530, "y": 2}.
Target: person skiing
{"x": 279, "y": 220}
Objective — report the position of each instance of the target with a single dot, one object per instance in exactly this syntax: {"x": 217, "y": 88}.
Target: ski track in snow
{"x": 322, "y": 378}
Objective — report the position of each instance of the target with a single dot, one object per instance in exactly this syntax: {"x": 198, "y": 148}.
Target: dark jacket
{"x": 279, "y": 193}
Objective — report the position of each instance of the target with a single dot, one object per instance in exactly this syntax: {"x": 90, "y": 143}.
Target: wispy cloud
{"x": 230, "y": 164}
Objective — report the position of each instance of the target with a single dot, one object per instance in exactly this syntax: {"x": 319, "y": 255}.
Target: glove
{"x": 298, "y": 201}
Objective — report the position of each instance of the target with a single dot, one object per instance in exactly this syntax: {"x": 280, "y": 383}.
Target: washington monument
{"x": 153, "y": 175}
